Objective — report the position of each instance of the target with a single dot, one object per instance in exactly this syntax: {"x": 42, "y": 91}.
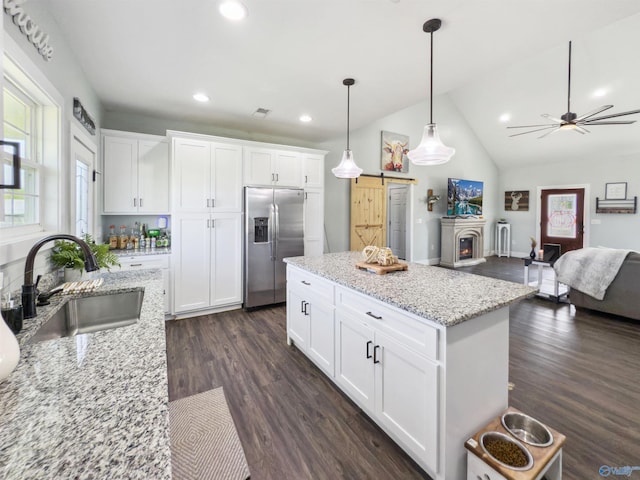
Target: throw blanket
{"x": 590, "y": 270}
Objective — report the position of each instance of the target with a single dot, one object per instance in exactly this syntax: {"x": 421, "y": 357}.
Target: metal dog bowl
{"x": 486, "y": 439}
{"x": 527, "y": 429}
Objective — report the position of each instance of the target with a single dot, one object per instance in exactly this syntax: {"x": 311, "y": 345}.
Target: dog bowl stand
{"x": 547, "y": 461}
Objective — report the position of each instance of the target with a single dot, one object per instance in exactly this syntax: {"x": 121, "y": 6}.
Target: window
{"x": 21, "y": 207}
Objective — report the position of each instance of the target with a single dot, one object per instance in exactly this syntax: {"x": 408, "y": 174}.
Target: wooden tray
{"x": 381, "y": 269}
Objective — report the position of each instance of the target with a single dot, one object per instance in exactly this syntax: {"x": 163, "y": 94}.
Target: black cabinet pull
{"x": 375, "y": 356}
{"x": 368, "y": 345}
{"x": 305, "y": 282}
{"x": 306, "y": 304}
{"x": 302, "y": 302}
{"x": 374, "y": 316}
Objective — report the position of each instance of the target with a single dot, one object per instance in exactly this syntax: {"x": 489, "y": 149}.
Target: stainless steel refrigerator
{"x": 273, "y": 230}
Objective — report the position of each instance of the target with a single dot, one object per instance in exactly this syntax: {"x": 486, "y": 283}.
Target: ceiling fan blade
{"x": 532, "y": 131}
{"x": 610, "y": 122}
{"x": 581, "y": 130}
{"x": 534, "y": 126}
{"x": 549, "y": 132}
{"x": 613, "y": 115}
{"x": 559, "y": 120}
{"x": 593, "y": 112}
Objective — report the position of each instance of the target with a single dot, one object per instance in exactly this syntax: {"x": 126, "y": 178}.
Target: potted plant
{"x": 69, "y": 255}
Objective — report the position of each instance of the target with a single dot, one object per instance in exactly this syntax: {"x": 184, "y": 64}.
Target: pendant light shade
{"x": 431, "y": 150}
{"x": 347, "y": 167}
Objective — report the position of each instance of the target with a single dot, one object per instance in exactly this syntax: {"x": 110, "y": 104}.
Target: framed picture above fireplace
{"x": 464, "y": 197}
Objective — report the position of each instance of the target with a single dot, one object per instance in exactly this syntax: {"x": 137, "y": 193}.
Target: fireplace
{"x": 466, "y": 248}
{"x": 462, "y": 241}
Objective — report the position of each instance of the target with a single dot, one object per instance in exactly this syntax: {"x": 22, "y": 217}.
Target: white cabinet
{"x": 313, "y": 222}
{"x": 207, "y": 176}
{"x": 313, "y": 170}
{"x": 140, "y": 262}
{"x": 270, "y": 167}
{"x": 396, "y": 385}
{"x": 207, "y": 252}
{"x": 135, "y": 173}
{"x": 310, "y": 322}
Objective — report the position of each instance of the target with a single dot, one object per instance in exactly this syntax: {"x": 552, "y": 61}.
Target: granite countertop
{"x": 441, "y": 295}
{"x": 91, "y": 406}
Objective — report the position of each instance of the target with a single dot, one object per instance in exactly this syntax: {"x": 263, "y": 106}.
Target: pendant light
{"x": 347, "y": 167}
{"x": 431, "y": 150}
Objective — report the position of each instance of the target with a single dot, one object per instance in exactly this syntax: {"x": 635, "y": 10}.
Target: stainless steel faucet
{"x": 29, "y": 291}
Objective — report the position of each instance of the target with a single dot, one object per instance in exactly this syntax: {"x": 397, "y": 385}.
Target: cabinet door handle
{"x": 306, "y": 304}
{"x": 213, "y": 223}
{"x": 213, "y": 202}
{"x": 368, "y": 345}
{"x": 208, "y": 203}
{"x": 302, "y": 302}
{"x": 374, "y": 316}
{"x": 306, "y": 179}
{"x": 140, "y": 201}
{"x": 135, "y": 265}
{"x": 305, "y": 196}
{"x": 305, "y": 282}
{"x": 273, "y": 177}
{"x": 277, "y": 177}
{"x": 208, "y": 223}
{"x": 375, "y": 356}
{"x": 135, "y": 202}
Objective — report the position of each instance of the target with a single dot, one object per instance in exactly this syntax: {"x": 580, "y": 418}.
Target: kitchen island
{"x": 92, "y": 405}
{"x": 424, "y": 352}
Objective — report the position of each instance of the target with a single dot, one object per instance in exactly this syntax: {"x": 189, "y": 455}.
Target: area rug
{"x": 204, "y": 441}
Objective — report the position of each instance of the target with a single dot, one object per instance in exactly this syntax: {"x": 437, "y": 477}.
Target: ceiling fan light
{"x": 347, "y": 167}
{"x": 568, "y": 126}
{"x": 431, "y": 150}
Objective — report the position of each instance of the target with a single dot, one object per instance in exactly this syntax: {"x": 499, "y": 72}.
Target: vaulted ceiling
{"x": 290, "y": 56}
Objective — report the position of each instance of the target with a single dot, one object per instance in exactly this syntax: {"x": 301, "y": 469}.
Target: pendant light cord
{"x": 431, "y": 83}
{"x": 348, "y": 103}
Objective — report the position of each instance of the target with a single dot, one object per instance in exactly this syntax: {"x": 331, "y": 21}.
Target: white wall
{"x": 470, "y": 162}
{"x": 613, "y": 230}
{"x": 68, "y": 78}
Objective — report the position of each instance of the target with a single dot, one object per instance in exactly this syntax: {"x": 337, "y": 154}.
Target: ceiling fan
{"x": 571, "y": 121}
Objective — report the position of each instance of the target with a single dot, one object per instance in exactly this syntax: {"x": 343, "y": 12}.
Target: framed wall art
{"x": 516, "y": 201}
{"x": 615, "y": 191}
{"x": 393, "y": 152}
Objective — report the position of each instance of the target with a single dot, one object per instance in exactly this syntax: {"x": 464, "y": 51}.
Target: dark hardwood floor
{"x": 579, "y": 372}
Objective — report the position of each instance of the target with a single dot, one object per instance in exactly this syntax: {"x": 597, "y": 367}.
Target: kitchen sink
{"x": 91, "y": 314}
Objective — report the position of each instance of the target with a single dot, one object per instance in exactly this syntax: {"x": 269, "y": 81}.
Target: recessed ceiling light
{"x": 233, "y": 10}
{"x": 505, "y": 117}
{"x": 600, "y": 92}
{"x": 305, "y": 118}
{"x": 201, "y": 97}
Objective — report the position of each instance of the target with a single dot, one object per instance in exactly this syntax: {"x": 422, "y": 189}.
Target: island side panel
{"x": 475, "y": 383}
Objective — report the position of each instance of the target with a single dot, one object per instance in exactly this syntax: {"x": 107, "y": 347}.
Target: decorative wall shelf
{"x": 628, "y": 205}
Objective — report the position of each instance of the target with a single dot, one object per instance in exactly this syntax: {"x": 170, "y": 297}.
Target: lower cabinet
{"x": 310, "y": 323}
{"x": 140, "y": 262}
{"x": 394, "y": 384}
{"x": 207, "y": 252}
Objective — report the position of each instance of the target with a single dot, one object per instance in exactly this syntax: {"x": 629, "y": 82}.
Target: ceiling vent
{"x": 260, "y": 113}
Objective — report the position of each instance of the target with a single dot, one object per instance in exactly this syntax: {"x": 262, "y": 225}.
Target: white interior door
{"x": 397, "y": 218}
{"x": 83, "y": 160}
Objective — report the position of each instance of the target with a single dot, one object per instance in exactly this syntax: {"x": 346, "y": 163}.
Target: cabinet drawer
{"x": 144, "y": 261}
{"x": 402, "y": 326}
{"x": 308, "y": 284}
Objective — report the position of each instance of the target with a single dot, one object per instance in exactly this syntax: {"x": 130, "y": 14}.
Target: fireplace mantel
{"x": 456, "y": 228}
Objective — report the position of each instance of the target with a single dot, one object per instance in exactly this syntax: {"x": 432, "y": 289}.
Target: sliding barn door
{"x": 368, "y": 213}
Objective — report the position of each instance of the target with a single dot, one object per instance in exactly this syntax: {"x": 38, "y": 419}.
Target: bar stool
{"x": 503, "y": 248}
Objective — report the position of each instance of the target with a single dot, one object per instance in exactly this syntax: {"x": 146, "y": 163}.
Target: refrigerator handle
{"x": 277, "y": 232}
{"x": 271, "y": 227}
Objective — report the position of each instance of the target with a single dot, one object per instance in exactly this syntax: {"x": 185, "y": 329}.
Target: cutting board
{"x": 381, "y": 269}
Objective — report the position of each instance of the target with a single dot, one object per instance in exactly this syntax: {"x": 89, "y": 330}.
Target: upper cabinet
{"x": 135, "y": 173}
{"x": 270, "y": 167}
{"x": 313, "y": 170}
{"x": 207, "y": 176}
